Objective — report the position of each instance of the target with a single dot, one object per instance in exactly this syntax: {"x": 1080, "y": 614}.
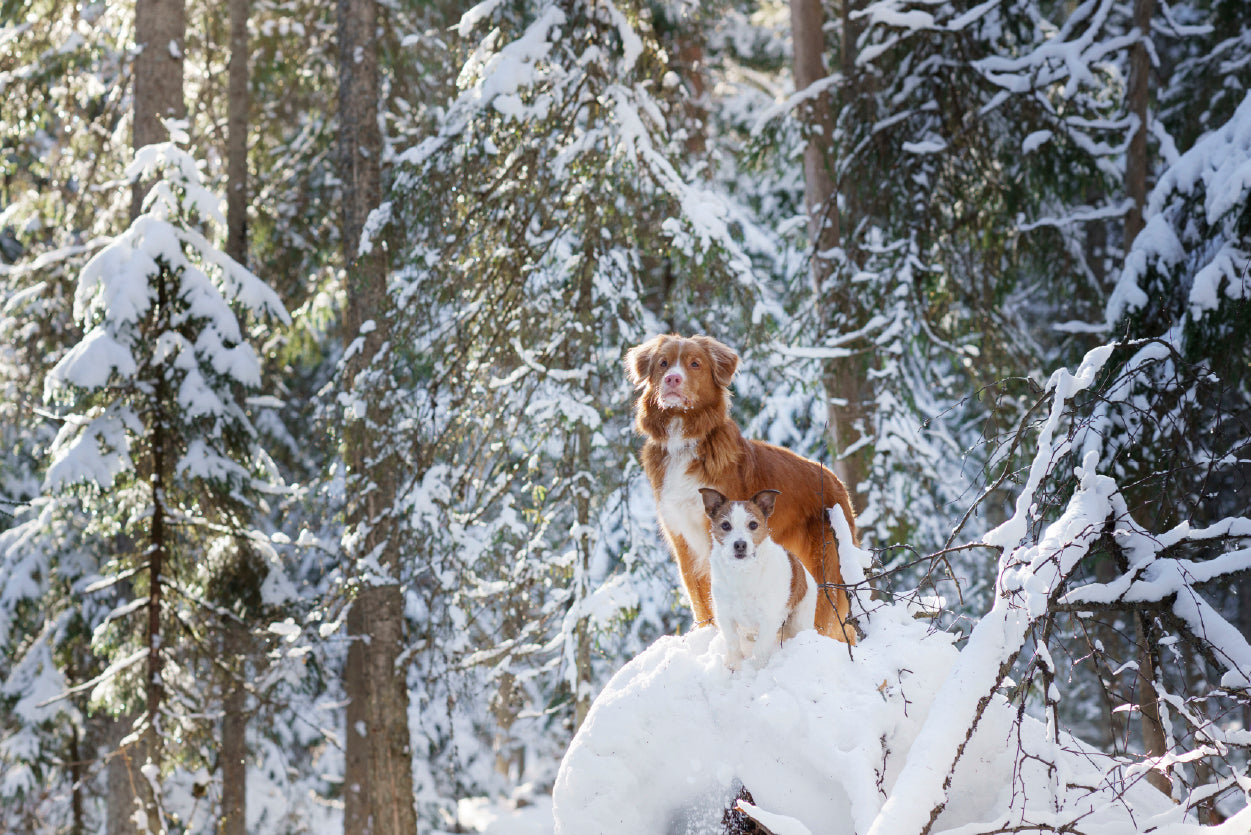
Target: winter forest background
{"x": 318, "y": 459}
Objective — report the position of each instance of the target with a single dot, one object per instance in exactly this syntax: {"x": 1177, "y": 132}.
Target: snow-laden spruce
{"x": 197, "y": 346}
{"x": 150, "y": 497}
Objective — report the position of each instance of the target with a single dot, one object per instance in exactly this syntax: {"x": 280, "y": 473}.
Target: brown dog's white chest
{"x": 679, "y": 504}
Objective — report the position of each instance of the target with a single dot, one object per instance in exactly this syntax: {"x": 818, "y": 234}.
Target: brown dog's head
{"x": 738, "y": 528}
{"x": 674, "y": 373}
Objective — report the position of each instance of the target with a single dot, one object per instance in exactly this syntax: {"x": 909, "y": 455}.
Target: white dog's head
{"x": 738, "y": 528}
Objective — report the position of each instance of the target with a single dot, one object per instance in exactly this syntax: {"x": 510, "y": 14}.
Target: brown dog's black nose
{"x": 740, "y": 548}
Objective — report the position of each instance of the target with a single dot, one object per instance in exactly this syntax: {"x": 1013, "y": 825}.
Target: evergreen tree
{"x": 157, "y": 448}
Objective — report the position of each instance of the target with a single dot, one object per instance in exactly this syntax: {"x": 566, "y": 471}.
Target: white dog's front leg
{"x": 735, "y": 648}
{"x": 747, "y": 642}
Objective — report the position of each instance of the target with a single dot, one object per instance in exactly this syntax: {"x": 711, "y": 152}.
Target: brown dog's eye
{"x": 725, "y": 526}
{"x": 664, "y": 363}
{"x": 753, "y": 525}
{"x": 694, "y": 363}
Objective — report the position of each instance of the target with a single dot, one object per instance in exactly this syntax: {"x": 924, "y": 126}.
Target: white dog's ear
{"x": 638, "y": 360}
{"x": 712, "y": 501}
{"x": 724, "y": 360}
{"x": 764, "y": 500}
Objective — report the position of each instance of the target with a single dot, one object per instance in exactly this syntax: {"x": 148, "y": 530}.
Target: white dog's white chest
{"x": 680, "y": 506}
{"x": 752, "y": 592}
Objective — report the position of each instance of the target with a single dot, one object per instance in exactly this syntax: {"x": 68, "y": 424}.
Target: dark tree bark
{"x": 234, "y": 750}
{"x": 356, "y": 742}
{"x": 237, "y": 106}
{"x": 579, "y": 482}
{"x": 1154, "y": 741}
{"x": 236, "y": 641}
{"x": 120, "y": 786}
{"x": 379, "y": 764}
{"x": 160, "y": 29}
{"x": 817, "y": 114}
{"x": 78, "y": 823}
{"x": 160, "y": 34}
{"x": 842, "y": 382}
{"x": 1138, "y": 95}
{"x": 158, "y": 556}
{"x": 691, "y": 65}
{"x": 734, "y": 822}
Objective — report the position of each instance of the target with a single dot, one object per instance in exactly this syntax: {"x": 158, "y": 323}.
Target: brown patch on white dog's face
{"x": 681, "y": 374}
{"x": 739, "y": 527}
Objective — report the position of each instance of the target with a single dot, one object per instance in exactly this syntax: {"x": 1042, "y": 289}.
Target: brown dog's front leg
{"x": 696, "y": 580}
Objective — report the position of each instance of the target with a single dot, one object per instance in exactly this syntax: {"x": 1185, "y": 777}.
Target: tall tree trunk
{"x": 380, "y": 758}
{"x": 695, "y": 108}
{"x": 234, "y": 750}
{"x": 158, "y": 553}
{"x": 236, "y": 644}
{"x": 836, "y": 304}
{"x": 120, "y": 782}
{"x": 160, "y": 29}
{"x": 817, "y": 116}
{"x": 1154, "y": 741}
{"x": 1138, "y": 94}
{"x": 237, "y": 104}
{"x": 356, "y": 741}
{"x": 160, "y": 33}
{"x": 235, "y": 640}
{"x": 579, "y": 481}
{"x": 78, "y": 823}
{"x": 234, "y": 728}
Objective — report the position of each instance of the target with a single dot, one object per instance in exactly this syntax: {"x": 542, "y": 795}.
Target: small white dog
{"x": 761, "y": 593}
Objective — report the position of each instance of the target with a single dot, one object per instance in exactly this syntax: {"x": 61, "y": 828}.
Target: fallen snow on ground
{"x": 819, "y": 736}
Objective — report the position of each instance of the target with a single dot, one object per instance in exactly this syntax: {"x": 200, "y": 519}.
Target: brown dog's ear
{"x": 764, "y": 500}
{"x": 638, "y": 360}
{"x": 724, "y": 360}
{"x": 712, "y": 501}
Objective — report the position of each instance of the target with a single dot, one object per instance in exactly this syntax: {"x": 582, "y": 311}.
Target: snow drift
{"x": 819, "y": 737}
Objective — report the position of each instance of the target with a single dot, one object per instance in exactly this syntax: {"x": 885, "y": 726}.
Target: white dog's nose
{"x": 740, "y": 548}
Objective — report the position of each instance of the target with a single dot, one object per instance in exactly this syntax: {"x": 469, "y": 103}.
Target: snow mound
{"x": 818, "y": 736}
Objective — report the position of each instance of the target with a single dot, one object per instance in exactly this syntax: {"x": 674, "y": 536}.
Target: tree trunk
{"x": 160, "y": 30}
{"x": 237, "y": 135}
{"x": 1138, "y": 95}
{"x": 836, "y": 305}
{"x": 379, "y": 760}
{"x": 78, "y": 823}
{"x": 234, "y": 730}
{"x": 1154, "y": 742}
{"x": 580, "y": 483}
{"x": 234, "y": 756}
{"x": 695, "y": 108}
{"x": 390, "y": 759}
{"x": 817, "y": 115}
{"x": 356, "y": 754}
{"x": 154, "y": 688}
{"x": 121, "y": 787}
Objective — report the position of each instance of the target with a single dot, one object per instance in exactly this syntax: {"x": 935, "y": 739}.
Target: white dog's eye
{"x": 753, "y": 525}
{"x": 725, "y": 526}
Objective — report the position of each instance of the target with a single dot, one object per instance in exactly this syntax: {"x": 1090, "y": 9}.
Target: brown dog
{"x": 683, "y": 411}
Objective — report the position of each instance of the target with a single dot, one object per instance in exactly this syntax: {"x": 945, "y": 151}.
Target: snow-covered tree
{"x": 157, "y": 449}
